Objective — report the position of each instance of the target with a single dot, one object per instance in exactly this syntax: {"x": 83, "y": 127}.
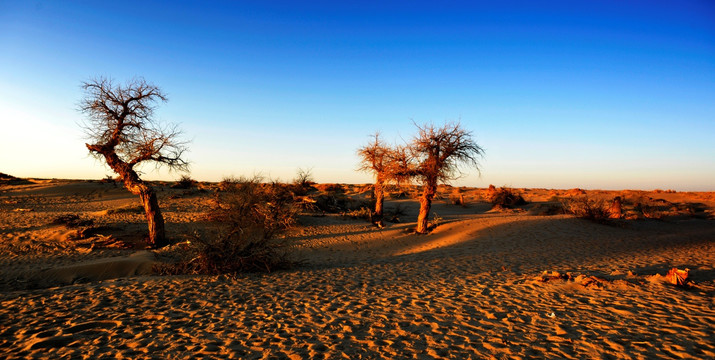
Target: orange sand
{"x": 471, "y": 289}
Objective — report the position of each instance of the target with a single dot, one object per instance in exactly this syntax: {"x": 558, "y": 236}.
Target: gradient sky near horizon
{"x": 561, "y": 94}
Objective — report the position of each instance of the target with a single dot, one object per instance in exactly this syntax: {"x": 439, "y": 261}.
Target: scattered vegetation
{"x": 504, "y": 197}
{"x": 6, "y": 179}
{"x": 108, "y": 179}
{"x": 303, "y": 182}
{"x": 330, "y": 188}
{"x": 251, "y": 215}
{"x": 185, "y": 182}
{"x": 394, "y": 214}
{"x": 587, "y": 208}
{"x": 362, "y": 213}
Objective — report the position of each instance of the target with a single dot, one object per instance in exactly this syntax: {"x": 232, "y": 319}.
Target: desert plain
{"x": 485, "y": 283}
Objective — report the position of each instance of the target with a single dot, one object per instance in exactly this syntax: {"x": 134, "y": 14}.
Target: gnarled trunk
{"x": 425, "y": 205}
{"x": 379, "y": 202}
{"x": 157, "y": 235}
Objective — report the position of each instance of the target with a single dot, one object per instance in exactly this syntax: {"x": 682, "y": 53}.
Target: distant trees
{"x": 122, "y": 131}
{"x": 434, "y": 155}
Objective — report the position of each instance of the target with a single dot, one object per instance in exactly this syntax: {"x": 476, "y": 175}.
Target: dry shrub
{"x": 185, "y": 182}
{"x": 393, "y": 215}
{"x": 336, "y": 188}
{"x": 361, "y": 213}
{"x": 505, "y": 197}
{"x": 108, "y": 179}
{"x": 591, "y": 209}
{"x": 252, "y": 214}
{"x": 340, "y": 203}
{"x": 458, "y": 199}
{"x": 239, "y": 251}
{"x": 247, "y": 203}
{"x": 303, "y": 182}
{"x": 547, "y": 209}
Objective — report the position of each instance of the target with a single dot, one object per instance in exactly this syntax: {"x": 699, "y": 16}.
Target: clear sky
{"x": 590, "y": 94}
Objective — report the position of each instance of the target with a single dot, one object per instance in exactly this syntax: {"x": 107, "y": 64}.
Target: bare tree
{"x": 437, "y": 154}
{"x": 375, "y": 158}
{"x": 122, "y": 131}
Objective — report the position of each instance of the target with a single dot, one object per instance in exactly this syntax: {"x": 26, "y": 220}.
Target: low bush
{"x": 505, "y": 197}
{"x": 393, "y": 215}
{"x": 361, "y": 213}
{"x": 330, "y": 188}
{"x": 185, "y": 182}
{"x": 240, "y": 250}
{"x": 250, "y": 214}
{"x": 339, "y": 203}
{"x": 303, "y": 182}
{"x": 458, "y": 199}
{"x": 590, "y": 209}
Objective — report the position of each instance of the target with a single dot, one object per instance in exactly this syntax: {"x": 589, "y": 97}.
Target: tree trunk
{"x": 425, "y": 205}
{"x": 157, "y": 236}
{"x": 379, "y": 202}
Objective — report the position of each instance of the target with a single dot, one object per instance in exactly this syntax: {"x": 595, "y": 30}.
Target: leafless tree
{"x": 121, "y": 130}
{"x": 438, "y": 155}
{"x": 375, "y": 158}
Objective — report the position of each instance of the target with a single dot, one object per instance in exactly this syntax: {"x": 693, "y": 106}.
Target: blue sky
{"x": 560, "y": 94}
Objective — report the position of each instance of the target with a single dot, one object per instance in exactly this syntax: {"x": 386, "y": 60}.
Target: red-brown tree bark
{"x": 124, "y": 135}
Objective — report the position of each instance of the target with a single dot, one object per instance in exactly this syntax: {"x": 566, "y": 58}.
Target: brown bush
{"x": 505, "y": 197}
{"x": 185, "y": 182}
{"x": 251, "y": 215}
{"x": 590, "y": 209}
{"x": 338, "y": 188}
{"x": 339, "y": 203}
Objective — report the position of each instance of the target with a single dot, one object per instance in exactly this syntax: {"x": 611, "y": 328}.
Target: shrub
{"x": 251, "y": 215}
{"x": 335, "y": 188}
{"x": 505, "y": 197}
{"x": 247, "y": 203}
{"x": 234, "y": 252}
{"x": 458, "y": 199}
{"x": 303, "y": 182}
{"x": 590, "y": 209}
{"x": 185, "y": 182}
{"x": 362, "y": 213}
{"x": 109, "y": 179}
{"x": 339, "y": 203}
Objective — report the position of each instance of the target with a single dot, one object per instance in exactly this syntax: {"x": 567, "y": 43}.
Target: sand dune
{"x": 473, "y": 288}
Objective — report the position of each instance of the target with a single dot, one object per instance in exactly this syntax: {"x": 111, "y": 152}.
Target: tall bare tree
{"x": 375, "y": 158}
{"x": 438, "y": 155}
{"x": 121, "y": 130}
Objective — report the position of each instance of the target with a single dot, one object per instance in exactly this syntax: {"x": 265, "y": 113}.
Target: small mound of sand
{"x": 139, "y": 263}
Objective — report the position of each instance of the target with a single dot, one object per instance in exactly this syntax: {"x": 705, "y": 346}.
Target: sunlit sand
{"x": 475, "y": 287}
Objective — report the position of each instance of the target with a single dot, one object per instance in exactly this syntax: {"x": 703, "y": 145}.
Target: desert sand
{"x": 484, "y": 284}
